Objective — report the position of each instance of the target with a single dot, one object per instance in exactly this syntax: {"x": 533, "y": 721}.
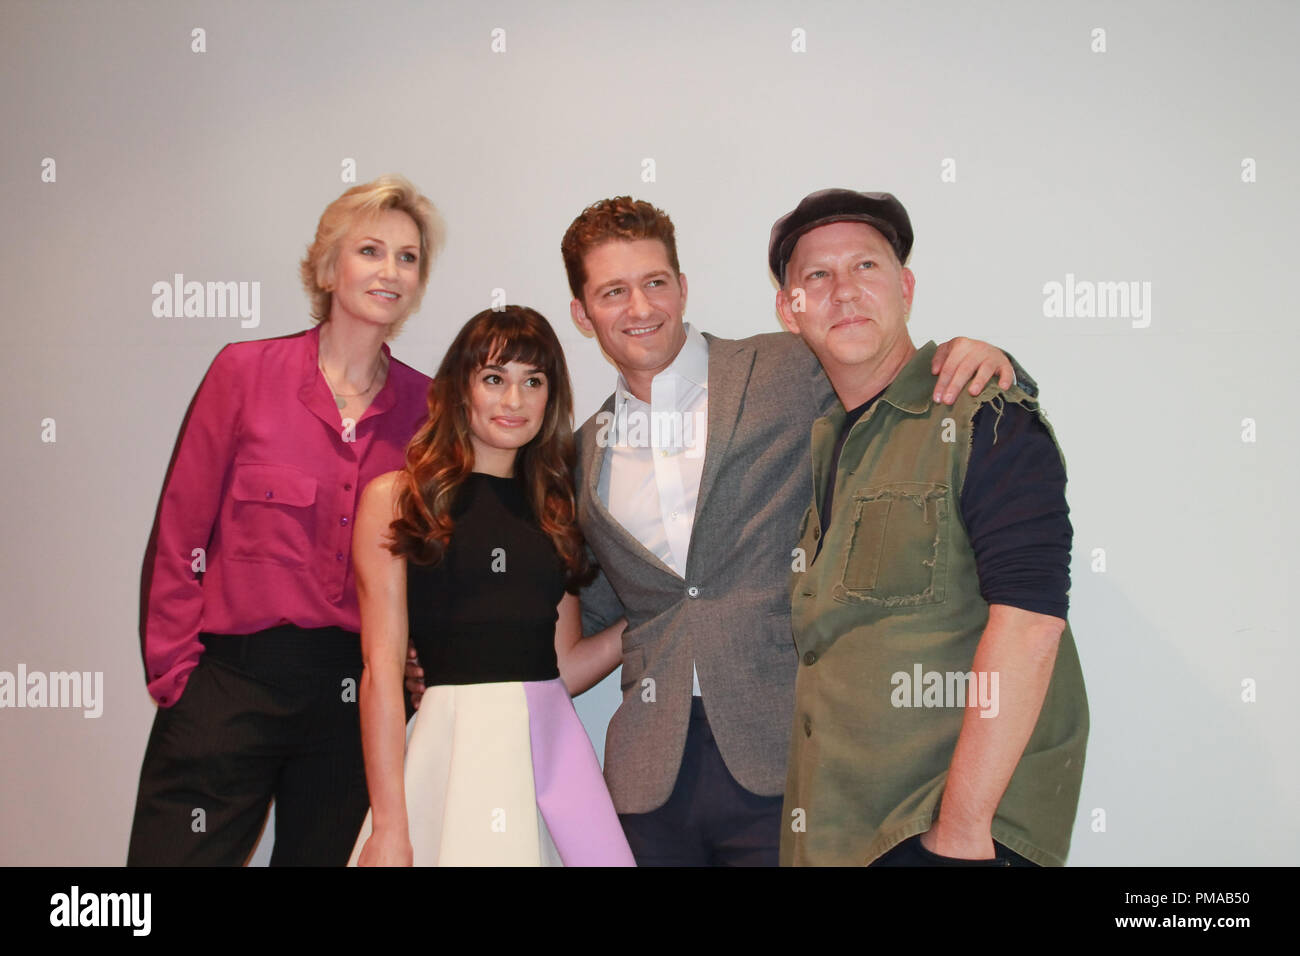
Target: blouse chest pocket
{"x": 897, "y": 554}
{"x": 273, "y": 513}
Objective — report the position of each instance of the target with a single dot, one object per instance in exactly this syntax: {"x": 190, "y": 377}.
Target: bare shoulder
{"x": 379, "y": 499}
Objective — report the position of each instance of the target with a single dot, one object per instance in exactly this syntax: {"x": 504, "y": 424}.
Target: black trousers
{"x": 911, "y": 853}
{"x": 267, "y": 715}
{"x": 709, "y": 819}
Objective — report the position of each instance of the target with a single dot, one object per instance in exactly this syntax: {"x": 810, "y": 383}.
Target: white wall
{"x": 1124, "y": 165}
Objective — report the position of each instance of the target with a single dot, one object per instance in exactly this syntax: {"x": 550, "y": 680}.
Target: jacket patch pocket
{"x": 897, "y": 555}
{"x": 274, "y": 515}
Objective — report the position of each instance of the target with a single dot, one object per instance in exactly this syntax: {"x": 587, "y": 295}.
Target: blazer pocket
{"x": 897, "y": 555}
{"x": 274, "y": 513}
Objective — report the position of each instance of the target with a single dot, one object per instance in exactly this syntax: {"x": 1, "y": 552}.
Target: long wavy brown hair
{"x": 441, "y": 457}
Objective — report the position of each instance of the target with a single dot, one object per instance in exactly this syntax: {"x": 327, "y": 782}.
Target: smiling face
{"x": 855, "y": 300}
{"x": 507, "y": 406}
{"x": 376, "y": 278}
{"x": 633, "y": 300}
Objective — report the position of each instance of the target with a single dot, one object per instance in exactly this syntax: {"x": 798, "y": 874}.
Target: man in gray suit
{"x": 696, "y": 548}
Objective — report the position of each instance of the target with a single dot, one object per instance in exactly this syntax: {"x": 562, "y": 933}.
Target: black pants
{"x": 709, "y": 819}
{"x": 267, "y": 715}
{"x": 911, "y": 853}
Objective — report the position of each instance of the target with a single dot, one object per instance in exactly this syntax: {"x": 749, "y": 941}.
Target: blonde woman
{"x": 253, "y": 652}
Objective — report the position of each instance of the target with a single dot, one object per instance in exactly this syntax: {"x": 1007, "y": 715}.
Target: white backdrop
{"x": 1107, "y": 142}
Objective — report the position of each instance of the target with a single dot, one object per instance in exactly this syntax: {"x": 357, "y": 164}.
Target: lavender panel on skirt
{"x": 571, "y": 791}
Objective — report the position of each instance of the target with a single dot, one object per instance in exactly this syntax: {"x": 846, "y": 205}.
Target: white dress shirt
{"x": 650, "y": 476}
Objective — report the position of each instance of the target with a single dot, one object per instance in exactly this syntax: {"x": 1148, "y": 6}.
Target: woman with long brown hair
{"x": 473, "y": 551}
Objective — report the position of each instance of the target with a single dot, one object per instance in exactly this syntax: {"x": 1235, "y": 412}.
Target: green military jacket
{"x": 886, "y": 621}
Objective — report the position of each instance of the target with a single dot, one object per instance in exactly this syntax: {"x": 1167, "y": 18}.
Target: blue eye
{"x": 409, "y": 256}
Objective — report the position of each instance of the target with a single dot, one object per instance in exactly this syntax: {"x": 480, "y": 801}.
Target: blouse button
{"x": 270, "y": 494}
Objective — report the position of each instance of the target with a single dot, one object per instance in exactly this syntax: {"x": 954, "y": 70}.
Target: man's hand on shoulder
{"x": 963, "y": 360}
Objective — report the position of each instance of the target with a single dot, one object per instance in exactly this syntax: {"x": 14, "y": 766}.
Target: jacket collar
{"x": 912, "y": 390}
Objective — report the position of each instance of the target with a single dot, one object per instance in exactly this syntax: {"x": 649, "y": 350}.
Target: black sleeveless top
{"x": 486, "y": 612}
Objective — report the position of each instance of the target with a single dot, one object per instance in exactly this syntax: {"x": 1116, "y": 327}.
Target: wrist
{"x": 968, "y": 841}
{"x": 388, "y": 826}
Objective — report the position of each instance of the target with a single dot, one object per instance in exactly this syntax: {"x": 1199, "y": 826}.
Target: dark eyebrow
{"x": 501, "y": 368}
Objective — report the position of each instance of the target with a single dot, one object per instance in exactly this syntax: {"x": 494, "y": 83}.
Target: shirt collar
{"x": 691, "y": 364}
{"x": 912, "y": 390}
{"x": 313, "y": 386}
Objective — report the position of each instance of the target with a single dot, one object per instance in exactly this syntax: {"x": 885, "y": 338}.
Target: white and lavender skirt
{"x": 504, "y": 775}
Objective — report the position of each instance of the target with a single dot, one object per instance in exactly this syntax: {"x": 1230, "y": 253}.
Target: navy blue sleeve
{"x": 1013, "y": 505}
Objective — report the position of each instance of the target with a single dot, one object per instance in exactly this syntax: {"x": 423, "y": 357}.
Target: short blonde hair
{"x": 358, "y": 204}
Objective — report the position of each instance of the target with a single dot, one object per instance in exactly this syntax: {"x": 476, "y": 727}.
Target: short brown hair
{"x": 357, "y": 204}
{"x": 621, "y": 218}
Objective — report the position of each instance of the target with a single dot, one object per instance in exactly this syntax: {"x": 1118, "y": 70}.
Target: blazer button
{"x": 807, "y": 727}
{"x": 810, "y": 658}
{"x": 693, "y": 591}
{"x": 817, "y": 533}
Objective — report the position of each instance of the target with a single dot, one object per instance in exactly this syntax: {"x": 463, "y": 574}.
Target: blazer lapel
{"x": 730, "y": 364}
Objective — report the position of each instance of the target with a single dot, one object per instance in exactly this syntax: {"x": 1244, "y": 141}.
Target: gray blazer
{"x": 731, "y": 614}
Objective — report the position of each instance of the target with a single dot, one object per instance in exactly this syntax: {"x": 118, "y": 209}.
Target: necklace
{"x": 341, "y": 398}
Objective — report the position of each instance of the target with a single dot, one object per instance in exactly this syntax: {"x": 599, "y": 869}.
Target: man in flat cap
{"x": 940, "y": 714}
